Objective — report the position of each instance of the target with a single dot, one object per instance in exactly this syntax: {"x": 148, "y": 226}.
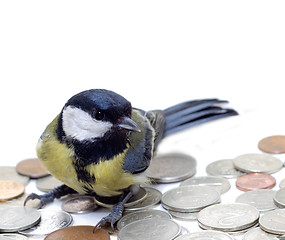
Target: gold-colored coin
{"x": 10, "y": 189}
{"x": 272, "y": 144}
{"x": 32, "y": 167}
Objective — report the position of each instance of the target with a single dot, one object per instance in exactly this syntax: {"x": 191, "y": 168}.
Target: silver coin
{"x": 273, "y": 221}
{"x": 139, "y": 197}
{"x": 204, "y": 235}
{"x": 153, "y": 197}
{"x": 50, "y": 221}
{"x": 223, "y": 168}
{"x": 10, "y": 173}
{"x": 189, "y": 198}
{"x": 18, "y": 218}
{"x": 279, "y": 198}
{"x": 259, "y": 234}
{"x": 262, "y": 199}
{"x": 188, "y": 216}
{"x": 139, "y": 215}
{"x": 20, "y": 202}
{"x": 12, "y": 236}
{"x": 228, "y": 217}
{"x": 47, "y": 183}
{"x": 282, "y": 183}
{"x": 172, "y": 167}
{"x": 79, "y": 204}
{"x": 257, "y": 162}
{"x": 219, "y": 183}
{"x": 154, "y": 229}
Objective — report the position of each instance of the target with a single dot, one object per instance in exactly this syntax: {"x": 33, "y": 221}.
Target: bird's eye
{"x": 99, "y": 115}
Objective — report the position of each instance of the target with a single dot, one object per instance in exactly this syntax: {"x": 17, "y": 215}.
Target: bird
{"x": 99, "y": 144}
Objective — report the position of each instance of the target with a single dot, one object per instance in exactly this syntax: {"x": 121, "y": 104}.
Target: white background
{"x": 154, "y": 53}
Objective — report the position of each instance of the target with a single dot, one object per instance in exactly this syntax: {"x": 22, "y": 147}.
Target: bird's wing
{"x": 143, "y": 144}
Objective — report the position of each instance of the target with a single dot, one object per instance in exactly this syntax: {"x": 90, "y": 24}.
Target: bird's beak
{"x": 129, "y": 124}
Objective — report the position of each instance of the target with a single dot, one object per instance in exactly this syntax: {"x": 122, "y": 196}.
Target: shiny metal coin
{"x": 172, "y": 167}
{"x": 79, "y": 204}
{"x": 273, "y": 221}
{"x": 219, "y": 183}
{"x": 48, "y": 183}
{"x": 262, "y": 199}
{"x": 257, "y": 163}
{"x": 19, "y": 201}
{"x": 18, "y": 218}
{"x": 10, "y": 189}
{"x": 259, "y": 234}
{"x": 78, "y": 232}
{"x": 140, "y": 196}
{"x": 282, "y": 183}
{"x": 204, "y": 235}
{"x": 223, "y": 168}
{"x": 279, "y": 198}
{"x": 228, "y": 217}
{"x": 187, "y": 216}
{"x": 10, "y": 173}
{"x": 50, "y": 221}
{"x": 139, "y": 215}
{"x": 272, "y": 144}
{"x": 12, "y": 236}
{"x": 254, "y": 181}
{"x": 154, "y": 229}
{"x": 189, "y": 198}
{"x": 32, "y": 167}
{"x": 153, "y": 197}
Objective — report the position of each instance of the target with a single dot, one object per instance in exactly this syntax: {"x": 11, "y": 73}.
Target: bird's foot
{"x": 115, "y": 215}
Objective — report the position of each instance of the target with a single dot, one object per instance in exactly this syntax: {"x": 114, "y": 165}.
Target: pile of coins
{"x": 257, "y": 212}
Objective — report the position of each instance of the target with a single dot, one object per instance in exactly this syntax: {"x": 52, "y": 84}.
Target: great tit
{"x": 98, "y": 144}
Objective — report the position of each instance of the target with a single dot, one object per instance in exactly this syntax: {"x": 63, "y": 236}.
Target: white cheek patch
{"x": 80, "y": 125}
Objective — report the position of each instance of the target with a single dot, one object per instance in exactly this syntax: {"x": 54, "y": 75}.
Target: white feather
{"x": 80, "y": 125}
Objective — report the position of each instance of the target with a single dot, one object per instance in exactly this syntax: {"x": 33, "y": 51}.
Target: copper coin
{"x": 78, "y": 232}
{"x": 32, "y": 167}
{"x": 272, "y": 144}
{"x": 255, "y": 181}
{"x": 10, "y": 189}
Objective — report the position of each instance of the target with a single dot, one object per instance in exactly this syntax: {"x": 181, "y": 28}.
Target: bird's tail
{"x": 192, "y": 113}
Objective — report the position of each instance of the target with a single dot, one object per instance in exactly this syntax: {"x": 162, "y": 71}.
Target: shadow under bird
{"x": 99, "y": 144}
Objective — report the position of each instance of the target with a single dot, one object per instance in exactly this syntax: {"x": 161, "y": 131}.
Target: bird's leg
{"x": 57, "y": 192}
{"x": 118, "y": 209}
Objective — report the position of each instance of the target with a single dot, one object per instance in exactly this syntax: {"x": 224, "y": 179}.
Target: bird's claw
{"x": 113, "y": 217}
{"x": 43, "y": 199}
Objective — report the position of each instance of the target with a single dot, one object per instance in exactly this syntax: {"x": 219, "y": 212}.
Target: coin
{"x": 139, "y": 215}
{"x": 50, "y": 221}
{"x": 48, "y": 183}
{"x": 154, "y": 229}
{"x": 18, "y": 218}
{"x": 10, "y": 189}
{"x": 189, "y": 216}
{"x": 153, "y": 197}
{"x": 223, "y": 168}
{"x": 273, "y": 221}
{"x": 19, "y": 201}
{"x": 259, "y": 234}
{"x": 171, "y": 167}
{"x": 12, "y": 236}
{"x": 282, "y": 183}
{"x": 279, "y": 198}
{"x": 78, "y": 232}
{"x": 32, "y": 167}
{"x": 79, "y": 204}
{"x": 272, "y": 144}
{"x": 10, "y": 173}
{"x": 256, "y": 162}
{"x": 189, "y": 198}
{"x": 219, "y": 183}
{"x": 206, "y": 234}
{"x": 228, "y": 217}
{"x": 255, "y": 181}
{"x": 140, "y": 196}
{"x": 262, "y": 199}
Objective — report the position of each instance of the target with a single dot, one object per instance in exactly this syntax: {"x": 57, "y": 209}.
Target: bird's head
{"x": 96, "y": 114}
